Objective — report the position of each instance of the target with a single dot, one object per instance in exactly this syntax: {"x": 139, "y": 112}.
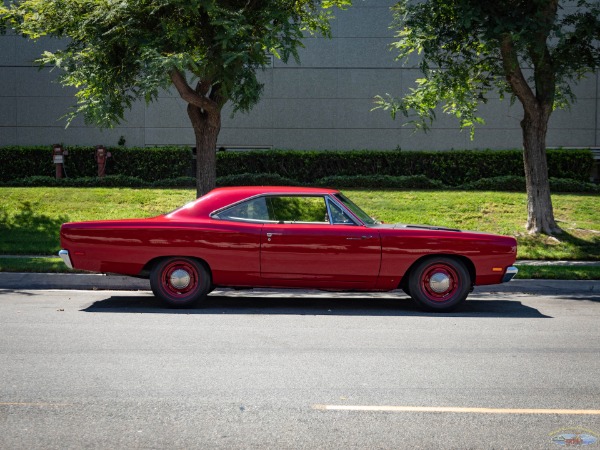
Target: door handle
{"x": 270, "y": 235}
{"x": 358, "y": 238}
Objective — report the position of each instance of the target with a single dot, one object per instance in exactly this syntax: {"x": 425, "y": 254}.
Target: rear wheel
{"x": 439, "y": 283}
{"x": 180, "y": 281}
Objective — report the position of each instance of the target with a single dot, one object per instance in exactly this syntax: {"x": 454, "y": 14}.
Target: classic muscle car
{"x": 288, "y": 237}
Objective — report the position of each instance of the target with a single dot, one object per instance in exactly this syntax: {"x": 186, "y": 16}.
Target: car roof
{"x": 222, "y": 197}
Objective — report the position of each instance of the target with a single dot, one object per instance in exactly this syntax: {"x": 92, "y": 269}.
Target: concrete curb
{"x": 18, "y": 280}
{"x": 24, "y": 281}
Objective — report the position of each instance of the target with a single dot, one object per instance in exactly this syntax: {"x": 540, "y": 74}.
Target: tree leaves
{"x": 460, "y": 40}
{"x": 120, "y": 51}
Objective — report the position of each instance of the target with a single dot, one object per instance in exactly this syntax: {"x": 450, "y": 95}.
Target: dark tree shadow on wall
{"x": 28, "y": 232}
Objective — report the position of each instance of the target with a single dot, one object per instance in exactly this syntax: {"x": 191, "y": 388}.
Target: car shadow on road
{"x": 316, "y": 306}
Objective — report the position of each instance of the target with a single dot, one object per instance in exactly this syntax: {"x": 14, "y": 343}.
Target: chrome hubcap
{"x": 439, "y": 282}
{"x": 180, "y": 279}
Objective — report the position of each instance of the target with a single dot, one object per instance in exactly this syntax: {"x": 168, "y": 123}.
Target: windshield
{"x": 363, "y": 216}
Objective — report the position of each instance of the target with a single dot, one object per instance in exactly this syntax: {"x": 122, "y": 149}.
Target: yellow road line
{"x": 452, "y": 409}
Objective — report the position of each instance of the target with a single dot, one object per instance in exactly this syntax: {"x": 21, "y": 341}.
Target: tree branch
{"x": 514, "y": 74}
{"x": 544, "y": 72}
{"x": 190, "y": 95}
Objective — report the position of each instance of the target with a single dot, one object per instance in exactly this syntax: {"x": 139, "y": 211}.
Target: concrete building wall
{"x": 323, "y": 103}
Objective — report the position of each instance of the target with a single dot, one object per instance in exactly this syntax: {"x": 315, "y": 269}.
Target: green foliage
{"x": 30, "y": 218}
{"x": 28, "y": 227}
{"x": 33, "y": 265}
{"x": 297, "y": 209}
{"x": 512, "y": 183}
{"x": 256, "y": 179}
{"x": 559, "y": 272}
{"x": 149, "y": 164}
{"x": 179, "y": 182}
{"x": 507, "y": 183}
{"x": 470, "y": 48}
{"x": 22, "y": 162}
{"x": 120, "y": 52}
{"x": 380, "y": 182}
{"x": 497, "y": 184}
{"x": 571, "y": 185}
{"x": 172, "y": 167}
{"x": 452, "y": 168}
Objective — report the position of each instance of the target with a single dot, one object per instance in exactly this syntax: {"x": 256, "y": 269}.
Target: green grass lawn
{"x": 495, "y": 212}
{"x": 30, "y": 218}
{"x": 33, "y": 264}
{"x": 559, "y": 272}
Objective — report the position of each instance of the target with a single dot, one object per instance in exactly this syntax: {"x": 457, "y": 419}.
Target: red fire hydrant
{"x": 101, "y": 156}
{"x": 58, "y": 157}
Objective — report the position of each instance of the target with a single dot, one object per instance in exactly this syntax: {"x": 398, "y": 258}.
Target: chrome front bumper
{"x": 510, "y": 274}
{"x": 64, "y": 254}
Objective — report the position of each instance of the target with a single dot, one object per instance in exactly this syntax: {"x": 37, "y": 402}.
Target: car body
{"x": 288, "y": 237}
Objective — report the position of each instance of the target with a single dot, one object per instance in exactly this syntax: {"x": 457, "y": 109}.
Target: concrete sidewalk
{"x": 23, "y": 281}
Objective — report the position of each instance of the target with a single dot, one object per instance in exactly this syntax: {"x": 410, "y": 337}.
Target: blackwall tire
{"x": 439, "y": 283}
{"x": 180, "y": 282}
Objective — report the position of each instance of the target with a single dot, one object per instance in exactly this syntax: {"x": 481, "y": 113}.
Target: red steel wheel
{"x": 439, "y": 283}
{"x": 180, "y": 281}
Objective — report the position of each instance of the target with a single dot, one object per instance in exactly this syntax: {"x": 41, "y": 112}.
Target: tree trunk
{"x": 540, "y": 214}
{"x": 204, "y": 110}
{"x": 537, "y": 107}
{"x": 206, "y": 130}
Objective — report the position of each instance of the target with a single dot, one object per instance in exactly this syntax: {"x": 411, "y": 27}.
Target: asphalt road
{"x": 254, "y": 370}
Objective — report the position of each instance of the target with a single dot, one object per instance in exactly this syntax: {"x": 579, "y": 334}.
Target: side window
{"x": 255, "y": 209}
{"x": 297, "y": 209}
{"x": 338, "y": 215}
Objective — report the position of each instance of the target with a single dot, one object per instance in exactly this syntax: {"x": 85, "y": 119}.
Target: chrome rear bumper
{"x": 64, "y": 254}
{"x": 509, "y": 274}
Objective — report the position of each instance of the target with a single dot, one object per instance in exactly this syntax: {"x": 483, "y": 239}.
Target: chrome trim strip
{"x": 510, "y": 274}
{"x": 64, "y": 254}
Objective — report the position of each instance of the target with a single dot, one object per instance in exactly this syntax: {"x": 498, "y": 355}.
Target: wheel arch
{"x": 466, "y": 261}
{"x": 147, "y": 269}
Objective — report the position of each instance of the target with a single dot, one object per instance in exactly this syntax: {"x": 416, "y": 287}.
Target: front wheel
{"x": 180, "y": 281}
{"x": 439, "y": 283}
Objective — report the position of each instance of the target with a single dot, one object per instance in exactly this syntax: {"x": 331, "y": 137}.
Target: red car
{"x": 288, "y": 237}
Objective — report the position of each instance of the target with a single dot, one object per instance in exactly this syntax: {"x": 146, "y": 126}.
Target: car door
{"x": 306, "y": 247}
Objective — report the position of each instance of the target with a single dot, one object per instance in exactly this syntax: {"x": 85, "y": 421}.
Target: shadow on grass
{"x": 28, "y": 232}
{"x": 570, "y": 245}
{"x": 313, "y": 306}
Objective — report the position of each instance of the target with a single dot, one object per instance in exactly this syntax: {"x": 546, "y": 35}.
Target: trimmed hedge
{"x": 148, "y": 164}
{"x": 107, "y": 181}
{"x": 381, "y": 182}
{"x": 256, "y": 179}
{"x": 452, "y": 168}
